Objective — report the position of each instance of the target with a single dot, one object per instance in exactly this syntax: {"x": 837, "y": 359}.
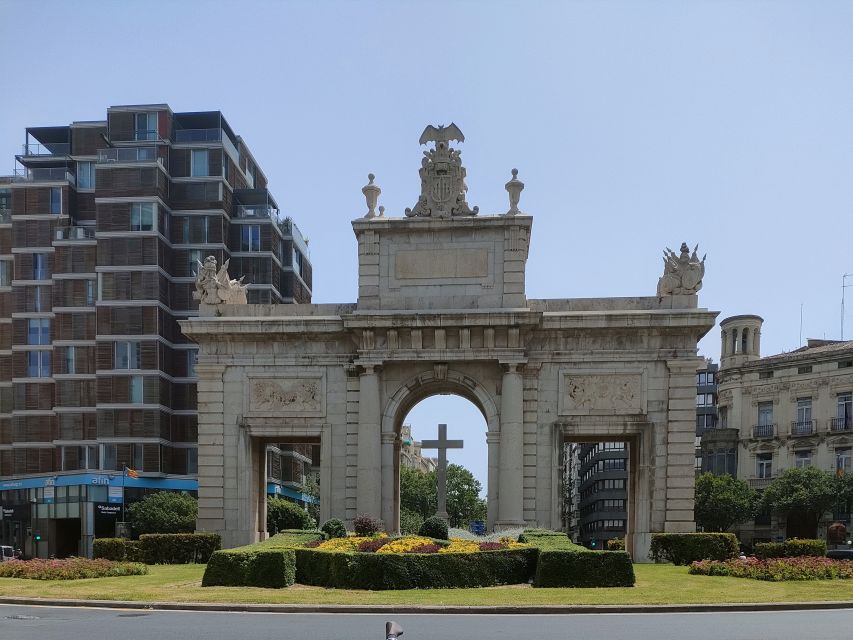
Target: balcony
{"x": 5, "y": 216}
{"x": 34, "y": 149}
{"x": 841, "y": 424}
{"x": 258, "y": 211}
{"x": 128, "y": 155}
{"x": 802, "y": 428}
{"x": 74, "y": 233}
{"x": 52, "y": 174}
{"x": 216, "y": 134}
{"x": 763, "y": 431}
{"x": 760, "y": 483}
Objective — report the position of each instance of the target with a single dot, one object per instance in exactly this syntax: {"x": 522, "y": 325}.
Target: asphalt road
{"x": 64, "y": 623}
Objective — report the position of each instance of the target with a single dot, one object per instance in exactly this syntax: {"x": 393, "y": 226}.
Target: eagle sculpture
{"x": 441, "y": 134}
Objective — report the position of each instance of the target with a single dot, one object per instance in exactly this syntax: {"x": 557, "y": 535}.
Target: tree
{"x": 419, "y": 495}
{"x": 723, "y": 501}
{"x": 284, "y": 514}
{"x": 803, "y": 496}
{"x": 163, "y": 512}
{"x": 311, "y": 487}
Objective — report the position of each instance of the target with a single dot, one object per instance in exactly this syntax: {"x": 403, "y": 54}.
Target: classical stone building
{"x": 410, "y": 452}
{"x": 787, "y": 410}
{"x": 442, "y": 309}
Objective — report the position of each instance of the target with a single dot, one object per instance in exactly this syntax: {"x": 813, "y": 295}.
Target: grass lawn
{"x": 656, "y": 584}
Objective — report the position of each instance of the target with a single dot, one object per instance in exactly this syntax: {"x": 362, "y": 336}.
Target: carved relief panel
{"x": 286, "y": 396}
{"x": 602, "y": 393}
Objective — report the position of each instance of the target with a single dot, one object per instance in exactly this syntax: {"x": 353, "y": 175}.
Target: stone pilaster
{"x": 211, "y": 449}
{"x": 510, "y": 489}
{"x": 389, "y": 499}
{"x": 369, "y": 477}
{"x": 680, "y": 445}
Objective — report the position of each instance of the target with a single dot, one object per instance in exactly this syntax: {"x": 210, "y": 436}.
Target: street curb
{"x": 426, "y": 609}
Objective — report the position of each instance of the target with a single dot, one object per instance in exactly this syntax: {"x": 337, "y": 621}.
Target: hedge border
{"x": 556, "y": 568}
{"x": 684, "y": 548}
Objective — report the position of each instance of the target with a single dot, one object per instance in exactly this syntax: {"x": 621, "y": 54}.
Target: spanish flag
{"x": 131, "y": 473}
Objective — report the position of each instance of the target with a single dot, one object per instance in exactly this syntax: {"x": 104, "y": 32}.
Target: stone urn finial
{"x": 381, "y": 211}
{"x": 514, "y": 188}
{"x": 371, "y": 194}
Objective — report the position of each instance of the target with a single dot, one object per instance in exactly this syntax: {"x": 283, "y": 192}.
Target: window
{"x": 85, "y": 175}
{"x": 193, "y": 258}
{"x": 764, "y": 375}
{"x": 803, "y": 459}
{"x": 38, "y": 364}
{"x": 200, "y": 165}
{"x": 40, "y": 266}
{"x": 110, "y": 461}
{"x": 250, "y": 237}
{"x": 845, "y": 364}
{"x": 710, "y": 378}
{"x": 844, "y": 409}
{"x": 55, "y": 200}
{"x": 764, "y": 465}
{"x": 70, "y": 359}
{"x": 90, "y": 293}
{"x": 86, "y": 457}
{"x": 765, "y": 414}
{"x": 38, "y": 331}
{"x": 145, "y": 126}
{"x": 297, "y": 262}
{"x": 705, "y": 421}
{"x": 192, "y": 460}
{"x": 805, "y": 369}
{"x": 192, "y": 360}
{"x": 136, "y": 385}
{"x": 39, "y": 298}
{"x": 142, "y": 216}
{"x": 704, "y": 399}
{"x": 724, "y": 417}
{"x": 844, "y": 459}
{"x": 128, "y": 355}
{"x": 5, "y": 273}
{"x": 137, "y": 462}
{"x": 804, "y": 411}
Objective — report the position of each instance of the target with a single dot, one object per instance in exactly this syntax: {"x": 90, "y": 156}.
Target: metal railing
{"x": 53, "y": 149}
{"x": 52, "y": 174}
{"x": 763, "y": 430}
{"x": 127, "y": 154}
{"x": 74, "y": 233}
{"x": 802, "y": 427}
{"x": 760, "y": 483}
{"x": 841, "y": 424}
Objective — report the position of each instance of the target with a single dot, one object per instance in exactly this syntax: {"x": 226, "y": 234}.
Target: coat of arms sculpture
{"x": 214, "y": 287}
{"x": 682, "y": 274}
{"x": 442, "y": 176}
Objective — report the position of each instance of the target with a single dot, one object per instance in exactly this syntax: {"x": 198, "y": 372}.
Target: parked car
{"x": 840, "y": 554}
{"x": 7, "y": 553}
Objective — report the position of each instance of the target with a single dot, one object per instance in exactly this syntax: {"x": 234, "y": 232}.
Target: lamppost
{"x": 844, "y": 286}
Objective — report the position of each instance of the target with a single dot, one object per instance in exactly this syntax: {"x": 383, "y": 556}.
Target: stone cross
{"x": 442, "y": 444}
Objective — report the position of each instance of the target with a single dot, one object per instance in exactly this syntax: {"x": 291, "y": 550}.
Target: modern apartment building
{"x": 101, "y": 231}
{"x": 788, "y": 410}
{"x": 603, "y": 492}
{"x": 706, "y": 405}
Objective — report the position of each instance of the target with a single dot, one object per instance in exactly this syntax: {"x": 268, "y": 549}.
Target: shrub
{"x": 334, "y": 528}
{"x": 70, "y": 569}
{"x": 373, "y": 545}
{"x": 425, "y": 548}
{"x": 118, "y": 549}
{"x": 178, "y": 548}
{"x": 379, "y": 571}
{"x": 434, "y": 527}
{"x": 616, "y": 544}
{"x": 777, "y": 569}
{"x": 793, "y": 547}
{"x": 410, "y": 522}
{"x": 283, "y": 514}
{"x": 163, "y": 512}
{"x": 365, "y": 525}
{"x": 684, "y": 548}
{"x": 247, "y": 566}
{"x": 545, "y": 539}
{"x": 556, "y": 568}
{"x": 291, "y": 538}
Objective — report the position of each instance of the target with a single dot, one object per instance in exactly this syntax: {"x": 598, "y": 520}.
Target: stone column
{"x": 680, "y": 446}
{"x": 510, "y": 488}
{"x": 369, "y": 474}
{"x": 493, "y": 442}
{"x": 325, "y": 474}
{"x": 389, "y": 506}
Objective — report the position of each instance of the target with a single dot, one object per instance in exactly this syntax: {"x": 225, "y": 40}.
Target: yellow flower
{"x": 404, "y": 544}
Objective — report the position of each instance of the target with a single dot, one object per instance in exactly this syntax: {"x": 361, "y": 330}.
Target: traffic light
{"x": 593, "y": 544}
{"x": 37, "y": 536}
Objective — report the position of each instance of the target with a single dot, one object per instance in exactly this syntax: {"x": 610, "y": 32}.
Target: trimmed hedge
{"x": 434, "y": 527}
{"x": 118, "y": 549}
{"x": 545, "y": 539}
{"x": 178, "y": 548}
{"x": 684, "y": 548}
{"x": 379, "y": 571}
{"x": 583, "y": 569}
{"x": 616, "y": 544}
{"x": 290, "y": 539}
{"x": 249, "y": 567}
{"x": 791, "y": 548}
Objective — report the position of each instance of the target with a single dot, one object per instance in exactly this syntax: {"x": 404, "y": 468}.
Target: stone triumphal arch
{"x": 442, "y": 309}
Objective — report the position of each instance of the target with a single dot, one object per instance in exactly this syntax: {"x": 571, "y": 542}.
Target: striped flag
{"x": 131, "y": 473}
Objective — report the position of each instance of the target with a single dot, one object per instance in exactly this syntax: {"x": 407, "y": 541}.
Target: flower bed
{"x": 777, "y": 569}
{"x": 70, "y": 569}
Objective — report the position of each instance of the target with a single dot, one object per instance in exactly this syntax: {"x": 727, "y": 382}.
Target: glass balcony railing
{"x": 207, "y": 135}
{"x": 5, "y": 216}
{"x": 52, "y": 149}
{"x": 74, "y": 233}
{"x": 52, "y": 174}
{"x": 258, "y": 211}
{"x": 127, "y": 154}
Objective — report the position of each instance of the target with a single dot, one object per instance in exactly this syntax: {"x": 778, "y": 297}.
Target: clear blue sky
{"x": 634, "y": 125}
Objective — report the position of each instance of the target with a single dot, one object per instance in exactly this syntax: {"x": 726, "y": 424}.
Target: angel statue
{"x": 216, "y": 287}
{"x": 682, "y": 274}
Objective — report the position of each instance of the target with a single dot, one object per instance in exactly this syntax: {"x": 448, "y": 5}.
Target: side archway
{"x": 410, "y": 393}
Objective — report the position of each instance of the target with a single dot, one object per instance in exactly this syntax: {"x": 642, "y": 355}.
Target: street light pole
{"x": 844, "y": 286}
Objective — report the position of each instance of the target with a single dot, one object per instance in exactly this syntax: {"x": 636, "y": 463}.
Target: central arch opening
{"x": 467, "y": 470}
